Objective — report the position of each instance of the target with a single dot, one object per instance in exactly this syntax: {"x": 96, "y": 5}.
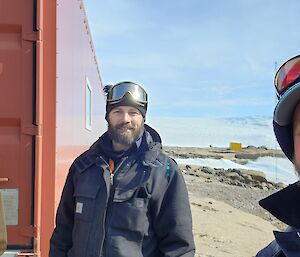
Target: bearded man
{"x": 124, "y": 197}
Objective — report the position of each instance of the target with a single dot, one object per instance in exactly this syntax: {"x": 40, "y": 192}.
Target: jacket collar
{"x": 150, "y": 146}
{"x": 285, "y": 204}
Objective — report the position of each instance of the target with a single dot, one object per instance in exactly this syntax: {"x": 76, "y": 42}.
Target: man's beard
{"x": 126, "y": 138}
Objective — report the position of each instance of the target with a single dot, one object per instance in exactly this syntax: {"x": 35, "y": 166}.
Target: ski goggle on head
{"x": 118, "y": 91}
{"x": 287, "y": 75}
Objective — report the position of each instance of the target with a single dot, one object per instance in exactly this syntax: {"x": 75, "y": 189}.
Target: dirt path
{"x": 222, "y": 231}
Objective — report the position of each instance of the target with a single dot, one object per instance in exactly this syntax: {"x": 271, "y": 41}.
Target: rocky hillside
{"x": 246, "y": 153}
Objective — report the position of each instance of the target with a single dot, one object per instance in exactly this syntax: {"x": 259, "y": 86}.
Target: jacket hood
{"x": 156, "y": 139}
{"x": 284, "y": 136}
{"x": 283, "y": 119}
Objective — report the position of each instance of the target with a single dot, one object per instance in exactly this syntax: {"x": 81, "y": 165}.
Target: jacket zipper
{"x": 116, "y": 169}
{"x": 112, "y": 174}
{"x": 108, "y": 200}
{"x": 103, "y": 223}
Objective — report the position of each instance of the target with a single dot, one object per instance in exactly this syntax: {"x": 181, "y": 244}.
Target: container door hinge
{"x": 28, "y": 231}
{"x": 33, "y": 36}
{"x": 32, "y": 130}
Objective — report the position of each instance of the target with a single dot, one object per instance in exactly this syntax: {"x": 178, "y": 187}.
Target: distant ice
{"x": 203, "y": 132}
{"x": 276, "y": 169}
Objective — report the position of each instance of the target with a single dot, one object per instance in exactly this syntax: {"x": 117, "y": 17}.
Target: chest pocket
{"x": 130, "y": 209}
{"x": 85, "y": 200}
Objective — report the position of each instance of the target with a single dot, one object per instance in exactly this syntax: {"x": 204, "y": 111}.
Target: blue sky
{"x": 196, "y": 58}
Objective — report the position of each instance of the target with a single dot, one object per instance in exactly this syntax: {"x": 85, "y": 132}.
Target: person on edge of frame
{"x": 285, "y": 204}
{"x": 124, "y": 197}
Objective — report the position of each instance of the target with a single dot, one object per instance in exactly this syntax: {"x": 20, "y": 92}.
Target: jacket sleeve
{"x": 272, "y": 250}
{"x": 172, "y": 219}
{"x": 61, "y": 240}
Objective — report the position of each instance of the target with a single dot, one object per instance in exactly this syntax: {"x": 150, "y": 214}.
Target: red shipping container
{"x": 51, "y": 109}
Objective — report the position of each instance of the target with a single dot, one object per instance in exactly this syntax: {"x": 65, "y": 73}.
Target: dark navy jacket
{"x": 142, "y": 211}
{"x": 284, "y": 205}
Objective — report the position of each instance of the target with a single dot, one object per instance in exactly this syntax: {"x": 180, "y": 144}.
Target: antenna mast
{"x": 276, "y": 175}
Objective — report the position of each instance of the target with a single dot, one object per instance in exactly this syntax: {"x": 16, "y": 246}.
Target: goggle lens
{"x": 118, "y": 91}
{"x": 287, "y": 74}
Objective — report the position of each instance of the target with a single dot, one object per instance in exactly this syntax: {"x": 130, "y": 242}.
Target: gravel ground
{"x": 245, "y": 199}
